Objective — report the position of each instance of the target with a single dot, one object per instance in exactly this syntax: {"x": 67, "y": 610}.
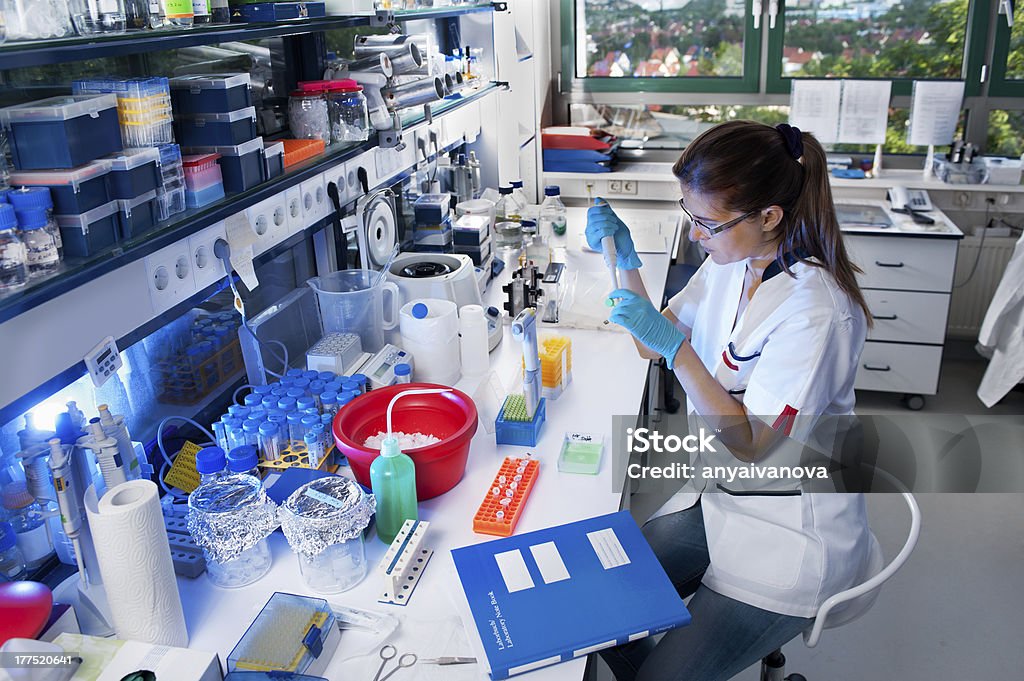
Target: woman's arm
{"x": 632, "y": 280}
{"x": 746, "y": 436}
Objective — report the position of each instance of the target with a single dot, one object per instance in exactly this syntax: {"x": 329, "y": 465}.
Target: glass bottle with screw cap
{"x": 210, "y": 463}
{"x": 12, "y": 562}
{"x": 403, "y": 373}
{"x": 30, "y": 200}
{"x": 13, "y": 257}
{"x": 552, "y": 212}
{"x": 40, "y": 246}
{"x": 519, "y": 195}
{"x": 244, "y": 460}
{"x": 506, "y": 210}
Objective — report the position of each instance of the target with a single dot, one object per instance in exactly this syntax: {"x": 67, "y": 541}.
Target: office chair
{"x": 848, "y": 605}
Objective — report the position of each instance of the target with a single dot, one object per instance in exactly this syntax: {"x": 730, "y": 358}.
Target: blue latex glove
{"x": 601, "y": 222}
{"x": 640, "y": 318}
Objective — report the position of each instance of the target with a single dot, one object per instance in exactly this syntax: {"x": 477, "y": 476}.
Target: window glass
{"x": 1015, "y": 57}
{"x": 1004, "y": 133}
{"x": 659, "y": 38}
{"x": 853, "y": 39}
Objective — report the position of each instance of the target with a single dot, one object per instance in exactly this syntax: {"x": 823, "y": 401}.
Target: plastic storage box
{"x": 432, "y": 209}
{"x": 143, "y": 107}
{"x": 263, "y": 12}
{"x": 62, "y": 132}
{"x": 472, "y": 230}
{"x": 273, "y": 156}
{"x": 520, "y": 433}
{"x": 204, "y": 182}
{"x": 478, "y": 254}
{"x": 218, "y": 93}
{"x": 242, "y": 165}
{"x": 134, "y": 172}
{"x": 74, "y": 191}
{"x": 581, "y": 453}
{"x": 171, "y": 193}
{"x": 138, "y": 215}
{"x": 88, "y": 233}
{"x": 295, "y": 634}
{"x": 297, "y": 151}
{"x": 217, "y": 129}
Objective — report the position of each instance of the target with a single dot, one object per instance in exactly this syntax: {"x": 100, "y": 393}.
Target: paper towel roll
{"x": 135, "y": 559}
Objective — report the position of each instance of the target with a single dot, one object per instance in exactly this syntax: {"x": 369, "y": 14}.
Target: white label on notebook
{"x": 593, "y": 649}
{"x": 608, "y": 549}
{"x": 513, "y": 571}
{"x": 549, "y": 562}
{"x": 639, "y": 635}
{"x": 512, "y": 671}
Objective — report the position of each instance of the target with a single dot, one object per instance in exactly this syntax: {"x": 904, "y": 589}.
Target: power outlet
{"x": 269, "y": 220}
{"x": 315, "y": 203}
{"x": 614, "y": 186}
{"x": 293, "y": 200}
{"x": 629, "y": 187}
{"x": 207, "y": 267}
{"x": 170, "y": 276}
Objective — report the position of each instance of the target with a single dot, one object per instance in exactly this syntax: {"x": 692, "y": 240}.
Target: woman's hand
{"x": 601, "y": 222}
{"x": 637, "y": 315}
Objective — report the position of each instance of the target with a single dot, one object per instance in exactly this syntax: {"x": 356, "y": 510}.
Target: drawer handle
{"x": 868, "y": 367}
{"x": 884, "y": 317}
{"x": 888, "y": 264}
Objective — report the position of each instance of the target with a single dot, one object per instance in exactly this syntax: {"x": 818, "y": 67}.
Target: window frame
{"x": 999, "y": 85}
{"x": 748, "y": 83}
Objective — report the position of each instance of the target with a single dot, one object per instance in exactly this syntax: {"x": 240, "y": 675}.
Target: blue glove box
{"x": 139, "y": 215}
{"x": 217, "y": 129}
{"x": 62, "y": 132}
{"x": 88, "y": 233}
{"x": 73, "y": 191}
{"x": 242, "y": 165}
{"x": 217, "y": 93}
{"x": 134, "y": 172}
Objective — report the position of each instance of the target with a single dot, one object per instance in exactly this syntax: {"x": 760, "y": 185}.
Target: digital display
{"x": 103, "y": 358}
{"x": 379, "y": 374}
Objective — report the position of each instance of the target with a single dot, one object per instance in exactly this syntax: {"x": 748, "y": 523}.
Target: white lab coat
{"x": 791, "y": 358}
{"x": 1002, "y": 332}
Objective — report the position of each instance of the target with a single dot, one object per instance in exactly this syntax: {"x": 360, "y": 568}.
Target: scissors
{"x": 450, "y": 660}
{"x": 389, "y": 652}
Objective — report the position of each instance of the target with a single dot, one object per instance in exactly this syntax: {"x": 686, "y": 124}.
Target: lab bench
{"x": 217, "y": 618}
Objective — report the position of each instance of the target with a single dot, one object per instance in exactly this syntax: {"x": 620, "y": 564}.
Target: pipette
{"x": 610, "y": 258}
{"x": 524, "y": 329}
{"x": 64, "y": 484}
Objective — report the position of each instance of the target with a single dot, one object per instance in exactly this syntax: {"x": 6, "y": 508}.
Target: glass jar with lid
{"x": 307, "y": 112}
{"x": 346, "y": 107}
{"x": 26, "y": 517}
{"x": 13, "y": 258}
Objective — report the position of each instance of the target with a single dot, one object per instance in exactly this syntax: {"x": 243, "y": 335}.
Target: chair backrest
{"x": 848, "y": 605}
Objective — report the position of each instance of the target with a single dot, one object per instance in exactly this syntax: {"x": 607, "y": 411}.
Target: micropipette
{"x": 524, "y": 329}
{"x": 64, "y": 484}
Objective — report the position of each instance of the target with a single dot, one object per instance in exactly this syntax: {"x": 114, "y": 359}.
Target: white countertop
{"x": 217, "y": 618}
{"x": 902, "y": 225}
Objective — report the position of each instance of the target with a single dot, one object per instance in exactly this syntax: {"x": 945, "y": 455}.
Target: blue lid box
{"x": 273, "y": 156}
{"x": 73, "y": 191}
{"x": 62, "y": 132}
{"x": 241, "y": 165}
{"x": 216, "y": 93}
{"x": 88, "y": 233}
{"x": 134, "y": 172}
{"x": 217, "y": 129}
{"x": 265, "y": 12}
{"x": 139, "y": 215}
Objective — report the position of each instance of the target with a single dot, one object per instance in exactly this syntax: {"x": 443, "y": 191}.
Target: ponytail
{"x": 749, "y": 166}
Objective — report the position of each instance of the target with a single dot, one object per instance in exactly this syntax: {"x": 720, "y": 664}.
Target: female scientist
{"x": 765, "y": 340}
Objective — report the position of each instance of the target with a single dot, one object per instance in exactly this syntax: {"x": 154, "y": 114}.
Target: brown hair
{"x": 748, "y": 166}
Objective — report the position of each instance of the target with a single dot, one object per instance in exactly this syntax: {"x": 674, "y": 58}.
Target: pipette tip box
{"x": 292, "y": 633}
{"x": 510, "y": 430}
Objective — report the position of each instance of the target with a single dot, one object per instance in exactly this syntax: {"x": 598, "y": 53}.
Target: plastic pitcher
{"x": 352, "y": 301}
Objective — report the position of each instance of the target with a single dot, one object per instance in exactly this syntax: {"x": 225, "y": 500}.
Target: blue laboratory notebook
{"x": 548, "y": 596}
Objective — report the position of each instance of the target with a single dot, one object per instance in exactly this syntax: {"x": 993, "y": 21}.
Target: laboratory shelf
{"x": 80, "y": 48}
{"x": 77, "y": 271}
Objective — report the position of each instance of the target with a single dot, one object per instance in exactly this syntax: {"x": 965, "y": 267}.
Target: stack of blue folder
{"x": 577, "y": 161}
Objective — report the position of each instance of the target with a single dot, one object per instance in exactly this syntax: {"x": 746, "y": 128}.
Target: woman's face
{"x": 750, "y": 237}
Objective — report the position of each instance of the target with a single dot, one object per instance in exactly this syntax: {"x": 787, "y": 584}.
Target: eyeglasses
{"x": 710, "y": 231}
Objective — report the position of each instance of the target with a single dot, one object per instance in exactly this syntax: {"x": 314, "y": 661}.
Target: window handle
{"x": 757, "y": 9}
{"x": 773, "y": 12}
{"x": 888, "y": 264}
{"x": 868, "y": 367}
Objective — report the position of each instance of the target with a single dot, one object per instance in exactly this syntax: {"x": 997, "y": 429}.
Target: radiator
{"x": 971, "y": 300}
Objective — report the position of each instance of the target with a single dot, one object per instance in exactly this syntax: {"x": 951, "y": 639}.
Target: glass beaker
{"x": 98, "y": 16}
{"x": 353, "y": 301}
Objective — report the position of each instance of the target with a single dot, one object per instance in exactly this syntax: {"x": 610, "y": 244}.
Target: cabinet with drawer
{"x": 907, "y": 281}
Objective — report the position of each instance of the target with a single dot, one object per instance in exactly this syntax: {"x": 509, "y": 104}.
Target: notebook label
{"x": 549, "y": 562}
{"x": 608, "y": 548}
{"x": 514, "y": 571}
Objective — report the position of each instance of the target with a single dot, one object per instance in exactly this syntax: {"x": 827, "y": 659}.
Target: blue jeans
{"x": 725, "y": 636}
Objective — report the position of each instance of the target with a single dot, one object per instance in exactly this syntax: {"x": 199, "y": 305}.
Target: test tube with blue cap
{"x": 220, "y": 433}
{"x": 279, "y": 391}
{"x": 326, "y": 376}
{"x": 351, "y": 386}
{"x": 302, "y": 384}
{"x": 252, "y": 399}
{"x": 363, "y": 380}
{"x": 310, "y": 375}
{"x": 294, "y": 373}
{"x": 269, "y": 402}
{"x": 251, "y": 429}
{"x": 329, "y": 403}
{"x": 296, "y": 431}
{"x": 309, "y": 421}
{"x": 296, "y": 393}
{"x": 305, "y": 403}
{"x": 314, "y": 448}
{"x": 262, "y": 390}
{"x": 270, "y": 441}
{"x": 403, "y": 373}
{"x": 287, "y": 404}
{"x": 235, "y": 435}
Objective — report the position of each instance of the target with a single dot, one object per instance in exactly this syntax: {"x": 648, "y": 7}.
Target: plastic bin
{"x": 62, "y": 132}
{"x": 273, "y": 156}
{"x": 217, "y": 129}
{"x": 218, "y": 93}
{"x": 432, "y": 209}
{"x": 295, "y": 634}
{"x": 242, "y": 165}
{"x": 134, "y": 172}
{"x": 265, "y": 12}
{"x": 88, "y": 233}
{"x": 478, "y": 254}
{"x": 138, "y": 215}
{"x": 74, "y": 191}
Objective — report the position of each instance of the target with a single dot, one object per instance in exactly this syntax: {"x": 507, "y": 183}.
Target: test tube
{"x": 316, "y": 386}
{"x": 334, "y": 386}
{"x": 363, "y": 381}
{"x": 499, "y": 515}
{"x": 326, "y": 420}
{"x": 305, "y": 403}
{"x": 258, "y": 413}
{"x": 252, "y": 399}
{"x": 270, "y": 441}
{"x": 280, "y": 419}
{"x": 262, "y": 390}
{"x": 234, "y": 432}
{"x": 296, "y": 431}
{"x": 326, "y": 376}
{"x": 279, "y": 391}
{"x": 294, "y": 373}
{"x": 310, "y": 375}
{"x": 220, "y": 433}
{"x": 351, "y": 386}
{"x": 302, "y": 384}
{"x": 308, "y": 422}
{"x": 268, "y": 402}
{"x": 403, "y": 373}
{"x": 329, "y": 402}
{"x": 296, "y": 393}
{"x": 286, "y": 404}
{"x": 251, "y": 428}
{"x": 505, "y": 502}
{"x": 239, "y": 411}
{"x": 315, "y": 449}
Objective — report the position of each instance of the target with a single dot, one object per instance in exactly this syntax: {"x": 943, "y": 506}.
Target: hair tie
{"x": 794, "y": 139}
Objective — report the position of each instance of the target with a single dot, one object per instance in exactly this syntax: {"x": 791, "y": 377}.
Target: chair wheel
{"x": 913, "y": 402}
{"x": 796, "y": 677}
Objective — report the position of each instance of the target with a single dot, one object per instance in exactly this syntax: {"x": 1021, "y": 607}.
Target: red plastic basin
{"x": 450, "y": 416}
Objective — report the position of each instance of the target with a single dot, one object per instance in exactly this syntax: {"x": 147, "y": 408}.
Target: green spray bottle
{"x": 393, "y": 479}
